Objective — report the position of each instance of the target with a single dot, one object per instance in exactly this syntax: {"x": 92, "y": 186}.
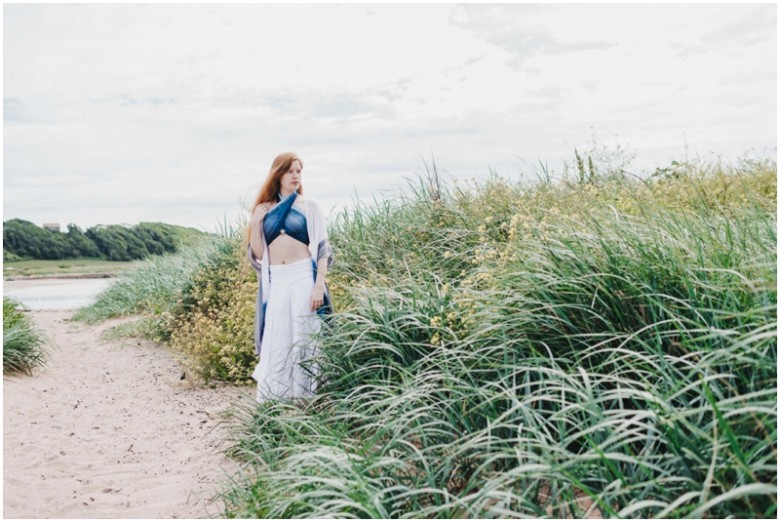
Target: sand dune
{"x": 109, "y": 430}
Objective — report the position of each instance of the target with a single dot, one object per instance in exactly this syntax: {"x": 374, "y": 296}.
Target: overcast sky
{"x": 126, "y": 113}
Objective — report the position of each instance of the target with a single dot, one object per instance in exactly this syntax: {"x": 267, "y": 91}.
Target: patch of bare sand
{"x": 109, "y": 430}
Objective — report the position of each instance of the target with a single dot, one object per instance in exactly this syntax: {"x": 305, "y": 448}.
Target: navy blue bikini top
{"x": 284, "y": 219}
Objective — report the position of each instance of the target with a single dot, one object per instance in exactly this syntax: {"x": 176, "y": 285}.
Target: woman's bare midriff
{"x": 285, "y": 250}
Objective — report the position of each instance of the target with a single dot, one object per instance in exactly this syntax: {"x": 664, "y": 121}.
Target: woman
{"x": 288, "y": 247}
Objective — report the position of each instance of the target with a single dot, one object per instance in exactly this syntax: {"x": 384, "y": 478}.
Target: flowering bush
{"x": 212, "y": 324}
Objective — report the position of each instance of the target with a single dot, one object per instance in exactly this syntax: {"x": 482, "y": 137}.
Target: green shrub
{"x": 152, "y": 288}
{"x": 23, "y": 344}
{"x": 212, "y": 324}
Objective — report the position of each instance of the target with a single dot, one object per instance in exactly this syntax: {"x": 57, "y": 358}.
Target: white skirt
{"x": 287, "y": 342}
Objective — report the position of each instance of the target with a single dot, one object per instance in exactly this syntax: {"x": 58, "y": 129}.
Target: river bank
{"x": 90, "y": 275}
{"x": 57, "y": 268}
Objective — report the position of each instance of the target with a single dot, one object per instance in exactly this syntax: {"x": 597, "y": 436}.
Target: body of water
{"x": 55, "y": 294}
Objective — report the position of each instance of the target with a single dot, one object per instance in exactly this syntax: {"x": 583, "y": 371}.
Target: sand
{"x": 109, "y": 430}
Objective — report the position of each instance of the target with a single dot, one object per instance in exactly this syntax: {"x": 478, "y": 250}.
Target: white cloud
{"x": 174, "y": 112}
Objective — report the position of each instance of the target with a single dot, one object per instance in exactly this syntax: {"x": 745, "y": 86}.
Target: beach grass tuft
{"x": 23, "y": 343}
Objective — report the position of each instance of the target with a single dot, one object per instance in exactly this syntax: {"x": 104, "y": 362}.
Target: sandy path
{"x": 108, "y": 430}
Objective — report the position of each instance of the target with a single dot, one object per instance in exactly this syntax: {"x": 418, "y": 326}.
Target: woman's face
{"x": 291, "y": 179}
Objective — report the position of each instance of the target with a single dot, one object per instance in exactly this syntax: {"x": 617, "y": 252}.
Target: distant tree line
{"x": 111, "y": 242}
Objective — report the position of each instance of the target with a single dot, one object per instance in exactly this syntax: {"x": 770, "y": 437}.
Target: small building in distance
{"x": 54, "y": 227}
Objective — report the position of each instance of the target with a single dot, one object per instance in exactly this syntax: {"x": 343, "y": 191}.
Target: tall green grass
{"x": 589, "y": 346}
{"x": 23, "y": 343}
{"x": 153, "y": 286}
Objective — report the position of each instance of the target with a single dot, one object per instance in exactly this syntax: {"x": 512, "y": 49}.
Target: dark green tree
{"x": 81, "y": 245}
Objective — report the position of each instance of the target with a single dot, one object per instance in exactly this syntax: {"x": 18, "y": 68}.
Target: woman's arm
{"x": 322, "y": 271}
{"x": 324, "y": 255}
{"x": 256, "y": 230}
{"x": 256, "y": 240}
{"x": 318, "y": 293}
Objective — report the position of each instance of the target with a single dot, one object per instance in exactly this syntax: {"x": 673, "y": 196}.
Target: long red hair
{"x": 273, "y": 183}
{"x": 269, "y": 192}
